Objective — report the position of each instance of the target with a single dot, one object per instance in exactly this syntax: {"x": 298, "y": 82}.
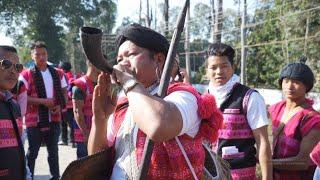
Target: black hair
{"x": 9, "y": 48}
{"x": 38, "y": 44}
{"x": 299, "y": 71}
{"x": 220, "y": 49}
{"x": 66, "y": 66}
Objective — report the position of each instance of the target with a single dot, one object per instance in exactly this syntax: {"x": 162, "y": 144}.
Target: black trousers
{"x": 35, "y": 138}
{"x": 67, "y": 120}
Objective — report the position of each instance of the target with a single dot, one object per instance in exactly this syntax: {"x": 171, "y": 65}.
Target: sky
{"x": 5, "y": 40}
{"x": 129, "y": 8}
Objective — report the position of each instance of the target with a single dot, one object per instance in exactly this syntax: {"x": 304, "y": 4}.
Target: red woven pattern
{"x": 86, "y": 85}
{"x": 7, "y": 134}
{"x": 167, "y": 161}
{"x": 32, "y": 110}
{"x": 235, "y": 126}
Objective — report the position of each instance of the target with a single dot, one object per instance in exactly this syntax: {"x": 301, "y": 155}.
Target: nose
{"x": 125, "y": 62}
{"x": 219, "y": 70}
{"x": 289, "y": 85}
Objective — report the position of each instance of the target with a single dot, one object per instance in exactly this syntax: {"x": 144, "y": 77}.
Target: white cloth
{"x": 187, "y": 105}
{"x": 48, "y": 83}
{"x": 220, "y": 92}
{"x": 123, "y": 150}
{"x": 316, "y": 175}
{"x": 256, "y": 110}
{"x": 46, "y": 75}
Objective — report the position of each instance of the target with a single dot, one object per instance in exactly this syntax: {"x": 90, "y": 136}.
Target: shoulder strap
{"x": 276, "y": 135}
{"x": 16, "y": 130}
{"x": 186, "y": 158}
{"x": 280, "y": 129}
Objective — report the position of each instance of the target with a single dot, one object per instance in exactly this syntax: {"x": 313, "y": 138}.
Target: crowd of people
{"x": 231, "y": 117}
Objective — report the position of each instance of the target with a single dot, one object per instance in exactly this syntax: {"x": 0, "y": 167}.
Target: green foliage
{"x": 200, "y": 25}
{"x": 37, "y": 22}
{"x": 280, "y": 39}
{"x": 56, "y": 23}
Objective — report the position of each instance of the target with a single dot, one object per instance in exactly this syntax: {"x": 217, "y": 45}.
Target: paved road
{"x": 66, "y": 155}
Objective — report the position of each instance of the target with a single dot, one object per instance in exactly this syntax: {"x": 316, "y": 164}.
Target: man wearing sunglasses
{"x": 46, "y": 89}
{"x": 12, "y": 164}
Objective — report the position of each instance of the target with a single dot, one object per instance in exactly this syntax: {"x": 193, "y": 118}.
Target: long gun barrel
{"x": 164, "y": 83}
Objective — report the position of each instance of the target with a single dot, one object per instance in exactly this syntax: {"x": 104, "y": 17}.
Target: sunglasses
{"x": 7, "y": 64}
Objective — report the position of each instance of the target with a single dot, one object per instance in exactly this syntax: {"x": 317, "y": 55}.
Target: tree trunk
{"x": 243, "y": 44}
{"x": 306, "y": 35}
{"x": 140, "y": 11}
{"x": 166, "y": 16}
{"x": 219, "y": 21}
{"x": 213, "y": 20}
{"x": 187, "y": 44}
{"x": 149, "y": 17}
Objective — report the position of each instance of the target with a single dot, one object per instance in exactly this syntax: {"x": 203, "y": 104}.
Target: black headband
{"x": 143, "y": 37}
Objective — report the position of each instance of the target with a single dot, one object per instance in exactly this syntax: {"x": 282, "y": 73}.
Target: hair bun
{"x": 303, "y": 59}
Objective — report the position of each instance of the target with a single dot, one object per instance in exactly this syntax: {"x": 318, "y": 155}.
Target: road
{"x": 67, "y": 154}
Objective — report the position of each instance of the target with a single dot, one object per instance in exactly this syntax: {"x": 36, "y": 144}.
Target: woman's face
{"x": 293, "y": 89}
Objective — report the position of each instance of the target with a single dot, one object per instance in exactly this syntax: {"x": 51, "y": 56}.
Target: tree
{"x": 100, "y": 14}
{"x": 218, "y": 22}
{"x": 37, "y": 22}
{"x": 55, "y": 22}
{"x": 166, "y": 16}
{"x": 282, "y": 37}
{"x": 200, "y": 22}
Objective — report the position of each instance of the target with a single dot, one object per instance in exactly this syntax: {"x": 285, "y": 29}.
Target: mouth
{"x": 219, "y": 78}
{"x": 289, "y": 92}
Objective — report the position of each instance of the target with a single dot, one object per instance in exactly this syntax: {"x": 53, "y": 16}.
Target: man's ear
{"x": 160, "y": 59}
{"x": 234, "y": 67}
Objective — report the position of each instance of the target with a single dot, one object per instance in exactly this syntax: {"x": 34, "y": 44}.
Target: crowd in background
{"x": 49, "y": 104}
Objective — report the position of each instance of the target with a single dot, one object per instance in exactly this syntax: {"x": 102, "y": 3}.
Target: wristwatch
{"x": 129, "y": 85}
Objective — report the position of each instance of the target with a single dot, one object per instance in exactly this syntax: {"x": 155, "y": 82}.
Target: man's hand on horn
{"x": 122, "y": 73}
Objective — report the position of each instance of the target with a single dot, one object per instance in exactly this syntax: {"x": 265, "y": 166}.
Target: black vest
{"x": 12, "y": 162}
{"x": 232, "y": 107}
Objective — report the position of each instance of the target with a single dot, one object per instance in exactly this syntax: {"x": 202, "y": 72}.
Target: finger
{"x": 103, "y": 80}
{"x": 100, "y": 77}
{"x": 114, "y": 76}
{"x": 96, "y": 92}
